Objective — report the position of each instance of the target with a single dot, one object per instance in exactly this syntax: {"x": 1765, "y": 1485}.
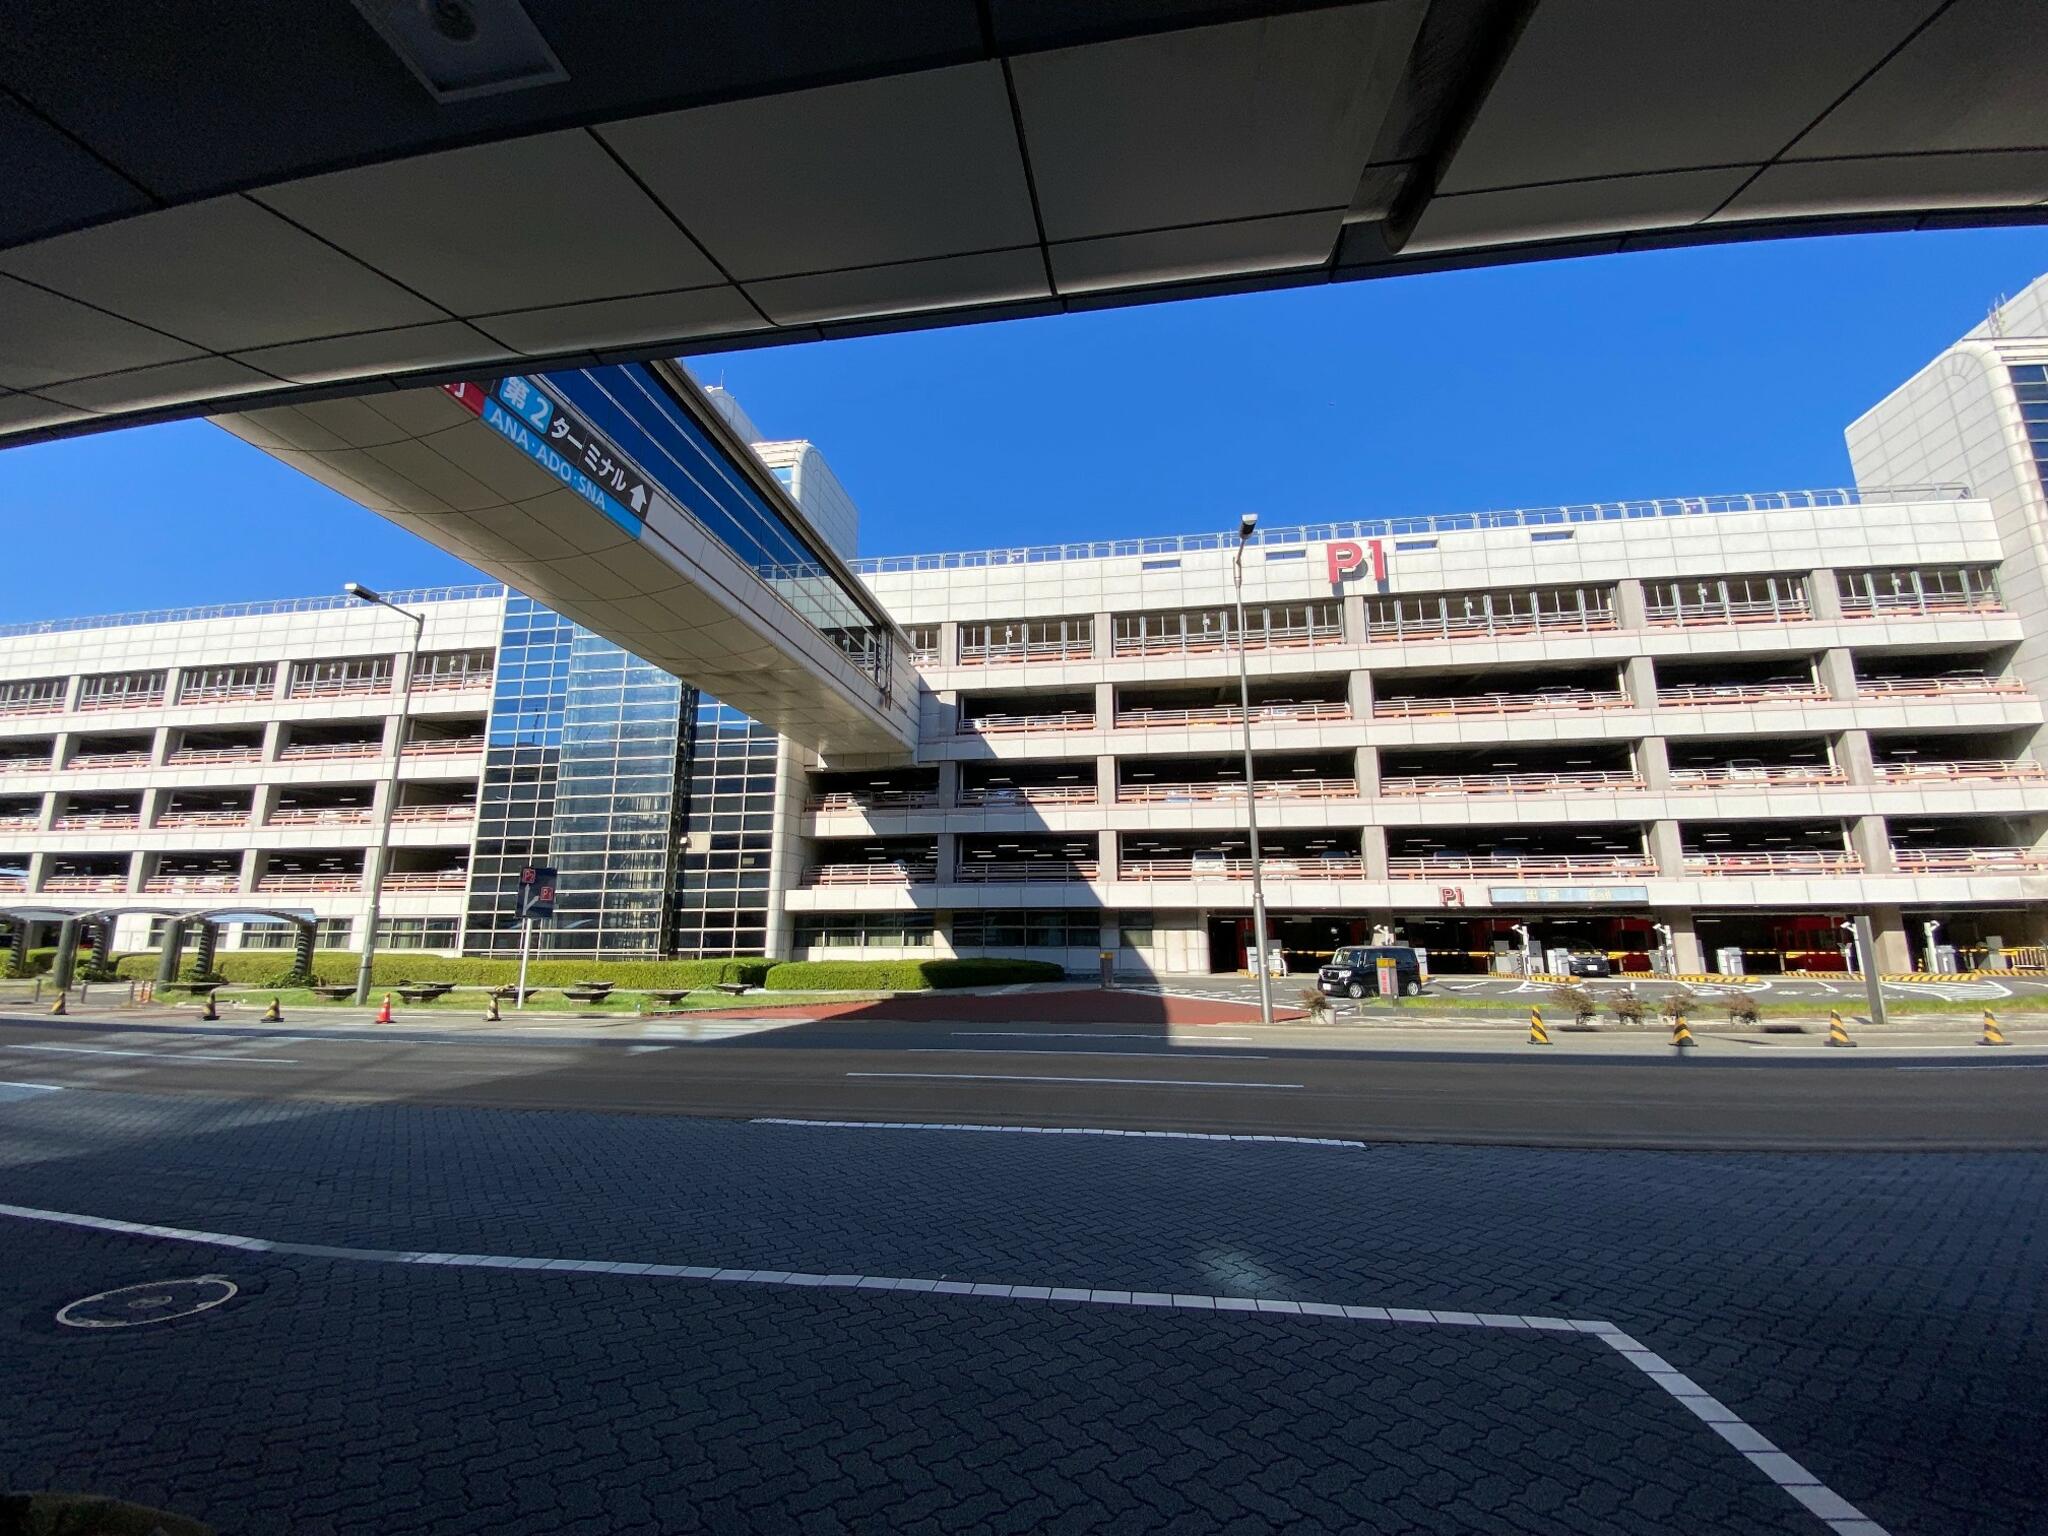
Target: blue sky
{"x": 1729, "y": 368}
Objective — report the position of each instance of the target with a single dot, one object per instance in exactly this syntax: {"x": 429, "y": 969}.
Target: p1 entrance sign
{"x": 537, "y": 891}
{"x": 1347, "y": 555}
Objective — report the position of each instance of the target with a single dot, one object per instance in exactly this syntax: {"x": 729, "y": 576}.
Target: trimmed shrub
{"x": 1743, "y": 1011}
{"x": 905, "y": 975}
{"x": 273, "y": 967}
{"x": 1626, "y": 1003}
{"x": 1578, "y": 1001}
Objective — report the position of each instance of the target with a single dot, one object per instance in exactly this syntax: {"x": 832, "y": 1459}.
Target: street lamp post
{"x": 382, "y": 853}
{"x": 1245, "y": 527}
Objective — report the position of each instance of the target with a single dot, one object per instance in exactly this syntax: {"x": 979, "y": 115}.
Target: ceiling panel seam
{"x": 1030, "y": 176}
{"x": 84, "y": 147}
{"x": 1822, "y": 116}
{"x": 677, "y": 220}
{"x": 256, "y": 200}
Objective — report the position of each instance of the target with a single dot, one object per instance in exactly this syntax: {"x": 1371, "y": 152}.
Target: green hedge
{"x": 271, "y": 967}
{"x": 905, "y": 975}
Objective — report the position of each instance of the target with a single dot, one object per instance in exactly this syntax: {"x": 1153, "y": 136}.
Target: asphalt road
{"x": 1235, "y": 1079}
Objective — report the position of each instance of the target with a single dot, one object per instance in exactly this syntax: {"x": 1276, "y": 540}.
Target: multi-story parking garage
{"x": 1668, "y": 730}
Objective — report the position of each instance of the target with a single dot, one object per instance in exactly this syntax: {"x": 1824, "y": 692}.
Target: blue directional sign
{"x": 521, "y": 411}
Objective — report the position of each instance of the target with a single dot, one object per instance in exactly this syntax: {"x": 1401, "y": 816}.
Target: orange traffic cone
{"x": 57, "y": 1008}
{"x": 274, "y": 1014}
{"x": 1680, "y": 1035}
{"x": 384, "y": 1013}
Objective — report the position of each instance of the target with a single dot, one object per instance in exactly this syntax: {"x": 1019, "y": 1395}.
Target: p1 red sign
{"x": 1346, "y": 556}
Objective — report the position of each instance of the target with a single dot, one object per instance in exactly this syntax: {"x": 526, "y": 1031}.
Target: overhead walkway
{"x": 200, "y": 212}
{"x": 617, "y": 496}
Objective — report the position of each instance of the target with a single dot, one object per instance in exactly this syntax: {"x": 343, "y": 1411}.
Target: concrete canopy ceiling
{"x": 205, "y": 211}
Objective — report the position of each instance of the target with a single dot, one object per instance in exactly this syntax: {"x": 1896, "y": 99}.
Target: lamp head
{"x": 1247, "y": 525}
{"x": 361, "y": 593}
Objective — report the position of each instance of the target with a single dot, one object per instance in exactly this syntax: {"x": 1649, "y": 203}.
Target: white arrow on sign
{"x": 639, "y": 498}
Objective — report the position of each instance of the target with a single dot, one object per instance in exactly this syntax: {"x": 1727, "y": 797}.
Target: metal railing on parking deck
{"x": 1278, "y": 867}
{"x": 320, "y": 816}
{"x": 1269, "y": 789}
{"x": 1024, "y": 652}
{"x": 997, "y": 797}
{"x": 182, "y": 885}
{"x": 111, "y": 821}
{"x": 206, "y": 757}
{"x": 1722, "y": 615}
{"x": 1709, "y": 695}
{"x": 427, "y": 880}
{"x": 202, "y": 819}
{"x": 327, "y": 751}
{"x": 848, "y": 802}
{"x": 1979, "y": 771}
{"x": 1612, "y": 780}
{"x": 92, "y": 762}
{"x": 1543, "y": 702}
{"x": 897, "y": 872}
{"x": 451, "y": 746}
{"x": 1930, "y": 861}
{"x": 1762, "y": 773}
{"x": 1924, "y": 687}
{"x": 1279, "y": 637}
{"x": 310, "y": 883}
{"x": 411, "y": 597}
{"x": 1004, "y": 725}
{"x": 1143, "y": 717}
{"x": 1787, "y": 861}
{"x": 1528, "y": 866}
{"x": 58, "y": 883}
{"x": 433, "y": 813}
{"x": 24, "y": 764}
{"x": 1025, "y": 871}
{"x": 1482, "y": 627}
{"x": 1910, "y": 607}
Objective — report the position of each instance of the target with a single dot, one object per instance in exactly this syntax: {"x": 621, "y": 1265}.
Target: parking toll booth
{"x": 1389, "y": 976}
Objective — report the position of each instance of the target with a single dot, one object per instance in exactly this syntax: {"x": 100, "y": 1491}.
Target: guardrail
{"x": 461, "y": 746}
{"x": 457, "y": 683}
{"x": 1421, "y": 523}
{"x": 182, "y": 885}
{"x": 328, "y": 752}
{"x": 1912, "y": 608}
{"x": 1025, "y": 871}
{"x": 296, "y": 882}
{"x": 338, "y": 690}
{"x": 1724, "y": 615}
{"x": 1010, "y": 725}
{"x": 1575, "y": 699}
{"x": 1926, "y": 687}
{"x": 1517, "y": 866}
{"x": 321, "y": 816}
{"x": 38, "y": 707}
{"x": 1005, "y": 796}
{"x": 103, "y": 703}
{"x": 17, "y": 823}
{"x": 433, "y": 813}
{"x": 1798, "y": 861}
{"x": 227, "y": 694}
{"x": 85, "y": 883}
{"x": 24, "y": 765}
{"x": 1146, "y": 718}
{"x": 128, "y": 822}
{"x": 13, "y": 882}
{"x": 846, "y": 802}
{"x": 1611, "y": 780}
{"x": 1496, "y": 628}
{"x": 1285, "y": 637}
{"x": 1925, "y": 861}
{"x": 1268, "y": 789}
{"x": 409, "y": 596}
{"x": 427, "y": 880}
{"x": 1023, "y": 653}
{"x": 92, "y": 762}
{"x": 1769, "y": 773}
{"x": 895, "y": 873}
{"x": 203, "y": 819}
{"x": 1279, "y": 867}
{"x": 1976, "y": 770}
{"x": 206, "y": 757}
{"x": 1709, "y": 696}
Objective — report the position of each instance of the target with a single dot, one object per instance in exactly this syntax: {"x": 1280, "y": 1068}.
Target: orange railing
{"x": 295, "y": 882}
{"x": 1144, "y": 717}
{"x": 433, "y": 813}
{"x": 1269, "y": 789}
{"x": 1286, "y": 637}
{"x": 203, "y": 757}
{"x": 1025, "y": 871}
{"x": 112, "y": 821}
{"x": 203, "y": 819}
{"x": 1339, "y": 867}
{"x": 320, "y": 816}
{"x": 456, "y": 682}
{"x": 897, "y": 873}
{"x": 846, "y": 802}
{"x": 1678, "y": 616}
{"x": 349, "y": 690}
{"x": 101, "y": 702}
{"x": 227, "y": 693}
{"x": 13, "y": 882}
{"x": 1499, "y": 703}
{"x": 1479, "y": 627}
{"x": 427, "y": 880}
{"x": 85, "y": 882}
{"x": 1789, "y": 861}
{"x": 459, "y": 746}
{"x": 1002, "y": 725}
{"x": 1708, "y": 695}
{"x": 87, "y": 762}
{"x": 1979, "y": 770}
{"x": 34, "y": 706}
{"x": 1021, "y": 652}
{"x": 1917, "y": 607}
{"x": 1509, "y": 783}
{"x": 1002, "y": 796}
{"x": 1928, "y": 861}
{"x": 17, "y": 823}
{"x": 331, "y": 751}
{"x": 1923, "y": 687}
{"x": 181, "y": 885}
{"x": 1519, "y": 866}
{"x": 24, "y": 764}
{"x": 1768, "y": 773}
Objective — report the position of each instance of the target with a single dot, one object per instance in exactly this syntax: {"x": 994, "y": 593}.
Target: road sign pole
{"x": 525, "y": 951}
{"x": 1873, "y": 985}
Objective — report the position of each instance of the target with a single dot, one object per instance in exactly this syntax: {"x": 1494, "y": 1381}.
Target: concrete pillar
{"x": 1871, "y": 841}
{"x": 948, "y": 858}
{"x": 252, "y": 867}
{"x": 66, "y": 960}
{"x": 1894, "y": 952}
{"x": 273, "y": 740}
{"x": 160, "y": 741}
{"x": 1355, "y": 632}
{"x": 1367, "y": 772}
{"x": 949, "y": 784}
{"x": 1105, "y": 856}
{"x": 62, "y": 745}
{"x": 1105, "y": 780}
{"x": 1667, "y": 850}
{"x": 1105, "y": 706}
{"x": 949, "y": 643}
{"x": 1653, "y": 762}
{"x": 38, "y": 870}
{"x": 1372, "y": 843}
{"x": 263, "y": 802}
{"x": 1686, "y": 958}
{"x": 1823, "y": 595}
{"x": 138, "y": 871}
{"x": 1854, "y": 757}
{"x": 1360, "y": 694}
{"x": 47, "y": 809}
{"x": 1104, "y": 631}
{"x": 788, "y": 851}
{"x": 168, "y": 949}
{"x": 1838, "y": 673}
{"x": 1630, "y": 610}
{"x": 1639, "y": 682}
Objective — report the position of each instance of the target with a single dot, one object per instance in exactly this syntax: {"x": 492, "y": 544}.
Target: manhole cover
{"x": 156, "y": 1302}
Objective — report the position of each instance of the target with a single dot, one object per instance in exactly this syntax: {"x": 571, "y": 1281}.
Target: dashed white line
{"x": 1062, "y": 1130}
{"x": 35, "y": 1087}
{"x": 1026, "y": 1050}
{"x": 1079, "y": 1034}
{"x": 1017, "y": 1077}
{"x": 1841, "y": 1517}
{"x": 95, "y": 1050}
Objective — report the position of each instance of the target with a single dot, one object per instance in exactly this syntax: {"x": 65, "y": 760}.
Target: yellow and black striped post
{"x": 1838, "y": 1032}
{"x": 58, "y": 1009}
{"x": 212, "y": 1010}
{"x": 1993, "y": 1035}
{"x": 1538, "y": 1035}
{"x": 274, "y": 1014}
{"x": 491, "y": 1014}
{"x": 1681, "y": 1037}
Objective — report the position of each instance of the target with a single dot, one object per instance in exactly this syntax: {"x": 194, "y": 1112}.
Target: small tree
{"x": 1315, "y": 1005}
{"x": 1584, "y": 1007}
{"x": 1678, "y": 1002}
{"x": 1744, "y": 1011}
{"x": 1626, "y": 1004}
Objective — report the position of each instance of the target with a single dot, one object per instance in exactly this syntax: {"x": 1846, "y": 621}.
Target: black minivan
{"x": 1354, "y": 970}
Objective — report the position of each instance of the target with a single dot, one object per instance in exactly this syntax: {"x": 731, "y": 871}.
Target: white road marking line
{"x": 1823, "y": 1502}
{"x": 1026, "y": 1050}
{"x": 1063, "y": 1130}
{"x": 1008, "y": 1077}
{"x": 92, "y": 1050}
{"x": 37, "y": 1087}
{"x": 1079, "y": 1034}
{"x": 1988, "y": 1066}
